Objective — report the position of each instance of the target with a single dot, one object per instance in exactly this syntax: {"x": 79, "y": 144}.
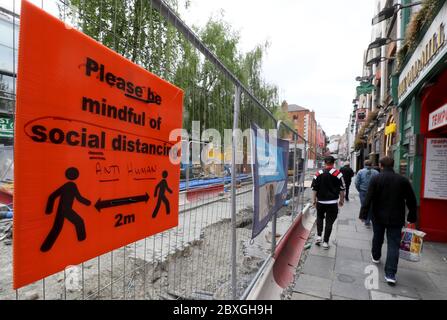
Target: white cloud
{"x": 316, "y": 47}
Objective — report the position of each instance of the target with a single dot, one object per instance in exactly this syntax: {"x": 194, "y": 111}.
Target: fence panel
{"x": 210, "y": 254}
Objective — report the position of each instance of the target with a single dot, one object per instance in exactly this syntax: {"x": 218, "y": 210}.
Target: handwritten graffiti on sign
{"x": 92, "y": 151}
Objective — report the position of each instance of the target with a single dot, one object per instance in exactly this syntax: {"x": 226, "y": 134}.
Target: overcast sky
{"x": 316, "y": 47}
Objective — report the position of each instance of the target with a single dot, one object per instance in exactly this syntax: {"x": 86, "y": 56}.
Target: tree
{"x": 135, "y": 30}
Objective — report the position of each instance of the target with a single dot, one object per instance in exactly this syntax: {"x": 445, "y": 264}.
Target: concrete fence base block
{"x": 280, "y": 270}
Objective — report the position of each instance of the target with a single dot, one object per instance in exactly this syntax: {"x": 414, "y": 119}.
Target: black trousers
{"x": 329, "y": 213}
{"x": 348, "y": 185}
{"x": 393, "y": 235}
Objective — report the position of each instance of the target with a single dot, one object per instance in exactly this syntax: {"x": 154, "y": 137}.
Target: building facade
{"x": 420, "y": 92}
{"x": 9, "y": 31}
{"x": 343, "y": 148}
{"x": 334, "y": 142}
{"x": 400, "y": 108}
{"x": 322, "y": 141}
{"x": 305, "y": 124}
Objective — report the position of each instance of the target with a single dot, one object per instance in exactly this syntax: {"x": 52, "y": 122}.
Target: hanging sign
{"x": 438, "y": 118}
{"x": 365, "y": 88}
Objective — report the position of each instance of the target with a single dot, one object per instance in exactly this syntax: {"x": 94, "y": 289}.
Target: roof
{"x": 295, "y": 107}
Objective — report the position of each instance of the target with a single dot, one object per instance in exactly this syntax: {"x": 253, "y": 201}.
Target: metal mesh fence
{"x": 209, "y": 250}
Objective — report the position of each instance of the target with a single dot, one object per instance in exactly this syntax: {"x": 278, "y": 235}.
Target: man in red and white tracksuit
{"x": 328, "y": 193}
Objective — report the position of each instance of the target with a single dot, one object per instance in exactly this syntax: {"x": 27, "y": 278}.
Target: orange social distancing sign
{"x": 92, "y": 150}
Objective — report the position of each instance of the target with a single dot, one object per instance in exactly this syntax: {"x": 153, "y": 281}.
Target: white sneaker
{"x": 318, "y": 241}
{"x": 374, "y": 261}
{"x": 391, "y": 280}
{"x": 325, "y": 246}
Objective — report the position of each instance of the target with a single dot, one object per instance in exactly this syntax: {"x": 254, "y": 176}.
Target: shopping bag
{"x": 411, "y": 244}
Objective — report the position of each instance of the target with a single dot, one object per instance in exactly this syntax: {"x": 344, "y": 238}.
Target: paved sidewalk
{"x": 340, "y": 273}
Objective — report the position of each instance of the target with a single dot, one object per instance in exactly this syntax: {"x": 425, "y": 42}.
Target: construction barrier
{"x": 278, "y": 273}
{"x": 205, "y": 249}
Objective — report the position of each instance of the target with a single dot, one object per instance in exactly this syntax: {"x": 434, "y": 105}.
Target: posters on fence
{"x": 270, "y": 157}
{"x": 92, "y": 150}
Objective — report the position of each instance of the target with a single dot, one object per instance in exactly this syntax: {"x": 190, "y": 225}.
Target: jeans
{"x": 393, "y": 236}
{"x": 362, "y": 195}
{"x": 328, "y": 212}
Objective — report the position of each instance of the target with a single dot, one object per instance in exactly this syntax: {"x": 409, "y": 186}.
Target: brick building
{"x": 306, "y": 126}
{"x": 322, "y": 142}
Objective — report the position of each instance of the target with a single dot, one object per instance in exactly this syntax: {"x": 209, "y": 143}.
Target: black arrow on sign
{"x": 101, "y": 204}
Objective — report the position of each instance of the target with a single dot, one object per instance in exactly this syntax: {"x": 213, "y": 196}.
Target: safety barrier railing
{"x": 210, "y": 254}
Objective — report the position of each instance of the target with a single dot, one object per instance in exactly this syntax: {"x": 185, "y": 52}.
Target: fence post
{"x": 237, "y": 103}
{"x": 294, "y": 206}
{"x": 278, "y": 126}
{"x": 304, "y": 168}
{"x": 187, "y": 168}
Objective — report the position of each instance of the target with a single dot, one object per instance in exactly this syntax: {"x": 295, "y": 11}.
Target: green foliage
{"x": 135, "y": 30}
{"x": 282, "y": 115}
{"x": 424, "y": 16}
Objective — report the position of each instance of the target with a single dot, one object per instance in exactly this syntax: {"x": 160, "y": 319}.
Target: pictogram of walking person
{"x": 161, "y": 189}
{"x": 66, "y": 194}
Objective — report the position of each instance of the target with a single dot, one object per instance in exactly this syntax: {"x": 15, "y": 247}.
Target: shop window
{"x": 403, "y": 167}
{"x": 377, "y": 146}
{"x": 8, "y": 49}
{"x": 388, "y": 85}
{"x": 408, "y": 115}
{"x": 361, "y": 115}
{"x": 6, "y": 163}
{"x": 410, "y": 169}
{"x": 8, "y": 64}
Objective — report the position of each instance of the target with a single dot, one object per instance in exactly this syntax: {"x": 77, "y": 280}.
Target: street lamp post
{"x": 380, "y": 42}
{"x": 362, "y": 79}
{"x": 376, "y": 60}
{"x": 383, "y": 15}
{"x": 388, "y": 12}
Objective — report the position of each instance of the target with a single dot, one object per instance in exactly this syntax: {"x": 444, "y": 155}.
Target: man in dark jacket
{"x": 388, "y": 194}
{"x": 347, "y": 176}
{"x": 328, "y": 193}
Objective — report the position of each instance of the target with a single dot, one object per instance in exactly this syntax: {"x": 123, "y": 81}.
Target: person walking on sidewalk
{"x": 388, "y": 194}
{"x": 362, "y": 183}
{"x": 328, "y": 193}
{"x": 347, "y": 176}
